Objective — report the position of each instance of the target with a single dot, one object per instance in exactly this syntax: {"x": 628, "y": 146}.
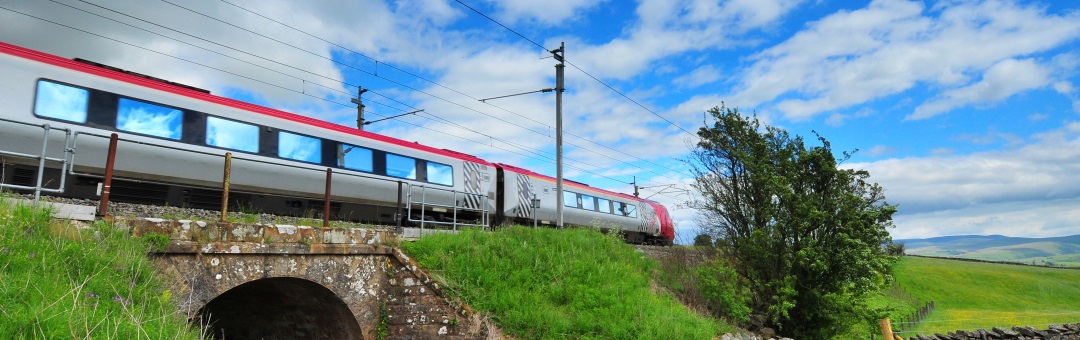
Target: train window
{"x": 588, "y": 203}
{"x": 440, "y": 173}
{"x": 603, "y": 205}
{"x": 299, "y": 147}
{"x": 353, "y": 157}
{"x": 624, "y": 209}
{"x": 232, "y": 134}
{"x": 400, "y": 166}
{"x": 149, "y": 119}
{"x": 631, "y": 210}
{"x": 570, "y": 199}
{"x": 61, "y": 102}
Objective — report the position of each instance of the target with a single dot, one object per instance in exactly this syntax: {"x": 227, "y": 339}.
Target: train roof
{"x": 165, "y": 86}
{"x": 578, "y": 185}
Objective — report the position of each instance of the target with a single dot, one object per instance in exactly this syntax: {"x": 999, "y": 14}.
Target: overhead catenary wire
{"x": 306, "y": 94}
{"x": 289, "y": 89}
{"x": 464, "y": 94}
{"x": 575, "y": 66}
{"x": 187, "y": 60}
{"x": 459, "y": 92}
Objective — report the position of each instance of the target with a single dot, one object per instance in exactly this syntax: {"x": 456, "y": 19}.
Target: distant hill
{"x": 1054, "y": 251}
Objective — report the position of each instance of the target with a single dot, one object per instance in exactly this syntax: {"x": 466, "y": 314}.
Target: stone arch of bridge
{"x": 279, "y": 308}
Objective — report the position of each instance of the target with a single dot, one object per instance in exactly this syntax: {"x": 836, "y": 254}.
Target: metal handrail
{"x": 458, "y": 196}
{"x": 69, "y": 152}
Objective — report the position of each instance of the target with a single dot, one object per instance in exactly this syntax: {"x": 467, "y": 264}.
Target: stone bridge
{"x": 296, "y": 282}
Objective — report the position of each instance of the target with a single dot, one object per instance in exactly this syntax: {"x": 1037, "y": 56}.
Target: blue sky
{"x": 967, "y": 112}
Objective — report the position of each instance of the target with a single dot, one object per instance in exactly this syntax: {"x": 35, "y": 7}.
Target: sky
{"x": 966, "y": 112}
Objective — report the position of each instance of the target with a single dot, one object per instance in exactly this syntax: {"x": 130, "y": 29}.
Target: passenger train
{"x": 174, "y": 138}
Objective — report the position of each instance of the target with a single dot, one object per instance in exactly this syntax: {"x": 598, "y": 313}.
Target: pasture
{"x": 972, "y": 295}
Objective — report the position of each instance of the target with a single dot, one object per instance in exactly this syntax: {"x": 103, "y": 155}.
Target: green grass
{"x": 972, "y": 295}
{"x": 60, "y": 282}
{"x": 555, "y": 284}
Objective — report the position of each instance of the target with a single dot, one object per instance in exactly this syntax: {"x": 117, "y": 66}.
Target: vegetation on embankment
{"x": 972, "y": 295}
{"x": 546, "y": 283}
{"x": 61, "y": 282}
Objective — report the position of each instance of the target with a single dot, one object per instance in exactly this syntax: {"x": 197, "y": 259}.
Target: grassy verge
{"x": 60, "y": 282}
{"x": 545, "y": 283}
{"x": 972, "y": 295}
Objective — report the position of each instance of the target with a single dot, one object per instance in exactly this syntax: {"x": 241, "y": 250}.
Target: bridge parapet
{"x": 189, "y": 237}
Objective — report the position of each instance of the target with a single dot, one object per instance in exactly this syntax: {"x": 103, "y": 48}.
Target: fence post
{"x": 103, "y": 206}
{"x": 326, "y": 201}
{"x": 225, "y": 187}
{"x": 886, "y": 329}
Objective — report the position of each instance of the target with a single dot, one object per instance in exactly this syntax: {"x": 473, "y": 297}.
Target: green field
{"x": 61, "y": 282}
{"x": 560, "y": 284}
{"x": 971, "y": 295}
{"x": 1062, "y": 251}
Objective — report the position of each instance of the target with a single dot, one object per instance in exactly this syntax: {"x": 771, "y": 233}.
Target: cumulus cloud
{"x": 1004, "y": 79}
{"x": 987, "y": 190}
{"x": 891, "y": 46}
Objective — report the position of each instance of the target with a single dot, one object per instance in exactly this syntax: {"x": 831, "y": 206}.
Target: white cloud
{"x": 1004, "y": 79}
{"x": 942, "y": 194}
{"x": 891, "y": 46}
{"x": 700, "y": 76}
{"x": 1019, "y": 219}
{"x": 881, "y": 150}
{"x": 546, "y": 13}
{"x": 667, "y": 28}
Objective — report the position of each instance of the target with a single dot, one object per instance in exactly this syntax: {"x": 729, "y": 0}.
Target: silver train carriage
{"x": 639, "y": 220}
{"x": 173, "y": 140}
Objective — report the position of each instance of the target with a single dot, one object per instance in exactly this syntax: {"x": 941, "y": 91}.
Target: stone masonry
{"x": 281, "y": 281}
{"x": 1054, "y": 332}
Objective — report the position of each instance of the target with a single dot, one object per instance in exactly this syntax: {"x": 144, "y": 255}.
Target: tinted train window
{"x": 232, "y": 135}
{"x": 353, "y": 157}
{"x": 400, "y": 166}
{"x": 61, "y": 102}
{"x": 149, "y": 119}
{"x": 440, "y": 173}
{"x": 603, "y": 205}
{"x": 298, "y": 147}
{"x": 631, "y": 210}
{"x": 569, "y": 199}
{"x": 587, "y": 202}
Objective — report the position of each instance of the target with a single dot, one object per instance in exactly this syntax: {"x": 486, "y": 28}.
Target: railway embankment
{"x": 547, "y": 283}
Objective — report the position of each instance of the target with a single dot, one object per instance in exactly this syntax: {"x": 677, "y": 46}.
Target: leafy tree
{"x": 804, "y": 236}
{"x": 703, "y": 240}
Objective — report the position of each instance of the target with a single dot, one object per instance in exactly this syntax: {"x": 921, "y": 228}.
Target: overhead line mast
{"x": 559, "y": 55}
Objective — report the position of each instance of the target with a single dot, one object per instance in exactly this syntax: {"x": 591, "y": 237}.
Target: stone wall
{"x": 1054, "y": 332}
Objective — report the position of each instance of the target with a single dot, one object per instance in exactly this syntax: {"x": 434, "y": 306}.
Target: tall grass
{"x": 545, "y": 284}
{"x": 971, "y": 295}
{"x": 61, "y": 282}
